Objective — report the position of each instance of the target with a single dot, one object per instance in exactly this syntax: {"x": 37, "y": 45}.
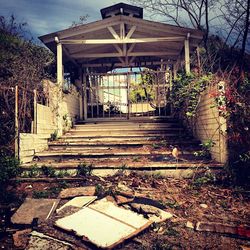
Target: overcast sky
{"x": 46, "y": 16}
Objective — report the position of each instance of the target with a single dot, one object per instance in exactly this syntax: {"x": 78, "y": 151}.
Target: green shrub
{"x": 48, "y": 171}
{"x": 9, "y": 168}
{"x": 84, "y": 169}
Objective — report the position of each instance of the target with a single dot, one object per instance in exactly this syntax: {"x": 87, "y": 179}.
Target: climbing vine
{"x": 186, "y": 93}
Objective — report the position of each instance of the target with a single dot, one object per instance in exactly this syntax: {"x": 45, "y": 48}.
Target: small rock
{"x": 190, "y": 225}
{"x": 29, "y": 187}
{"x": 78, "y": 191}
{"x": 204, "y": 205}
{"x": 21, "y": 238}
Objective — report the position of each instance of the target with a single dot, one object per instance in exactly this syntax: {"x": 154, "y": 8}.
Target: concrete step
{"x": 61, "y": 156}
{"x": 114, "y": 146}
{"x": 129, "y": 163}
{"x": 144, "y": 119}
{"x": 130, "y": 136}
{"x": 125, "y": 132}
{"x": 134, "y": 141}
{"x": 126, "y": 126}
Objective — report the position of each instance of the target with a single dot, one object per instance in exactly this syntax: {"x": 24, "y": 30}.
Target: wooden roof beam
{"x": 122, "y": 41}
{"x": 144, "y": 53}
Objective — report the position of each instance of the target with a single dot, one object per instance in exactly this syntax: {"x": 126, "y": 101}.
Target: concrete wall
{"x": 34, "y": 143}
{"x": 48, "y": 119}
{"x": 209, "y": 125}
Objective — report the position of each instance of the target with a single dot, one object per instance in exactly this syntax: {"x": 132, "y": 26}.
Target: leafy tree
{"x": 24, "y": 64}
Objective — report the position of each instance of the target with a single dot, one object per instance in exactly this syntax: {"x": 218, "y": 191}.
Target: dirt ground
{"x": 202, "y": 198}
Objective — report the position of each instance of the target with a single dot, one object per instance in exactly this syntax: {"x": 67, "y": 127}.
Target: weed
{"x": 122, "y": 169}
{"x": 63, "y": 184}
{"x": 223, "y": 204}
{"x": 48, "y": 171}
{"x": 40, "y": 194}
{"x": 156, "y": 145}
{"x": 53, "y": 136}
{"x": 62, "y": 173}
{"x": 99, "y": 190}
{"x": 136, "y": 159}
{"x": 54, "y": 190}
{"x": 33, "y": 171}
{"x": 160, "y": 244}
{"x": 84, "y": 169}
{"x": 171, "y": 232}
{"x": 208, "y": 177}
{"x": 206, "y": 146}
{"x": 171, "y": 203}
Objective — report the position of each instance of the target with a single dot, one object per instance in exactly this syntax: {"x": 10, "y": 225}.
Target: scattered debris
{"x": 29, "y": 187}
{"x": 78, "y": 202}
{"x": 153, "y": 213}
{"x": 78, "y": 191}
{"x": 120, "y": 199}
{"x": 189, "y": 224}
{"x": 43, "y": 242}
{"x": 34, "y": 208}
{"x": 96, "y": 222}
{"x": 240, "y": 231}
{"x": 204, "y": 205}
{"x": 21, "y": 238}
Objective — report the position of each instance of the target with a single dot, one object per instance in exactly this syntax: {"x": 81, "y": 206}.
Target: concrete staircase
{"x": 134, "y": 144}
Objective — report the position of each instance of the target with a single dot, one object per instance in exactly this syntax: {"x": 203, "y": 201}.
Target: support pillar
{"x": 60, "y": 80}
{"x": 81, "y": 94}
{"x": 85, "y": 102}
{"x": 187, "y": 55}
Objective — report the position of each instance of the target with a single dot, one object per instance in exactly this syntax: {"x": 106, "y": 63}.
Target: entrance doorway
{"x": 124, "y": 95}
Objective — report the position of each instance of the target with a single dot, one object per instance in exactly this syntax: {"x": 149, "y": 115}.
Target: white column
{"x": 81, "y": 94}
{"x": 60, "y": 79}
{"x": 59, "y": 65}
{"x": 85, "y": 102}
{"x": 187, "y": 56}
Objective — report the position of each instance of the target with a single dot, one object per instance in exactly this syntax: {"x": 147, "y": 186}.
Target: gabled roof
{"x": 135, "y": 38}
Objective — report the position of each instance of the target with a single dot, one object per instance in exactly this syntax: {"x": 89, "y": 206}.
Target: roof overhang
{"x": 123, "y": 40}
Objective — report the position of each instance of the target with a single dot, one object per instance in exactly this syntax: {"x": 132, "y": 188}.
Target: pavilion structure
{"x": 122, "y": 39}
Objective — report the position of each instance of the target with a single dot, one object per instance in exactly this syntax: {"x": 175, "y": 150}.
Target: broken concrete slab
{"x": 39, "y": 241}
{"x": 78, "y": 202}
{"x": 77, "y": 191}
{"x": 21, "y": 238}
{"x": 240, "y": 231}
{"x": 34, "y": 208}
{"x": 155, "y": 214}
{"x": 104, "y": 224}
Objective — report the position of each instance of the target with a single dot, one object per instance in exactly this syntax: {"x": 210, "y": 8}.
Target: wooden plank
{"x": 131, "y": 32}
{"x": 146, "y": 53}
{"x": 123, "y": 40}
{"x": 113, "y": 32}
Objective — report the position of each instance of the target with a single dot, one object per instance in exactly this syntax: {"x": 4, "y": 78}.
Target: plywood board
{"x": 104, "y": 224}
{"x": 78, "y": 202}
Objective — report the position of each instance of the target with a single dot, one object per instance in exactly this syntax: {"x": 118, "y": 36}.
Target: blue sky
{"x": 46, "y": 16}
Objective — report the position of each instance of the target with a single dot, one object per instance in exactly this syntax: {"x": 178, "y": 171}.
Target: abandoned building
{"x": 110, "y": 106}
